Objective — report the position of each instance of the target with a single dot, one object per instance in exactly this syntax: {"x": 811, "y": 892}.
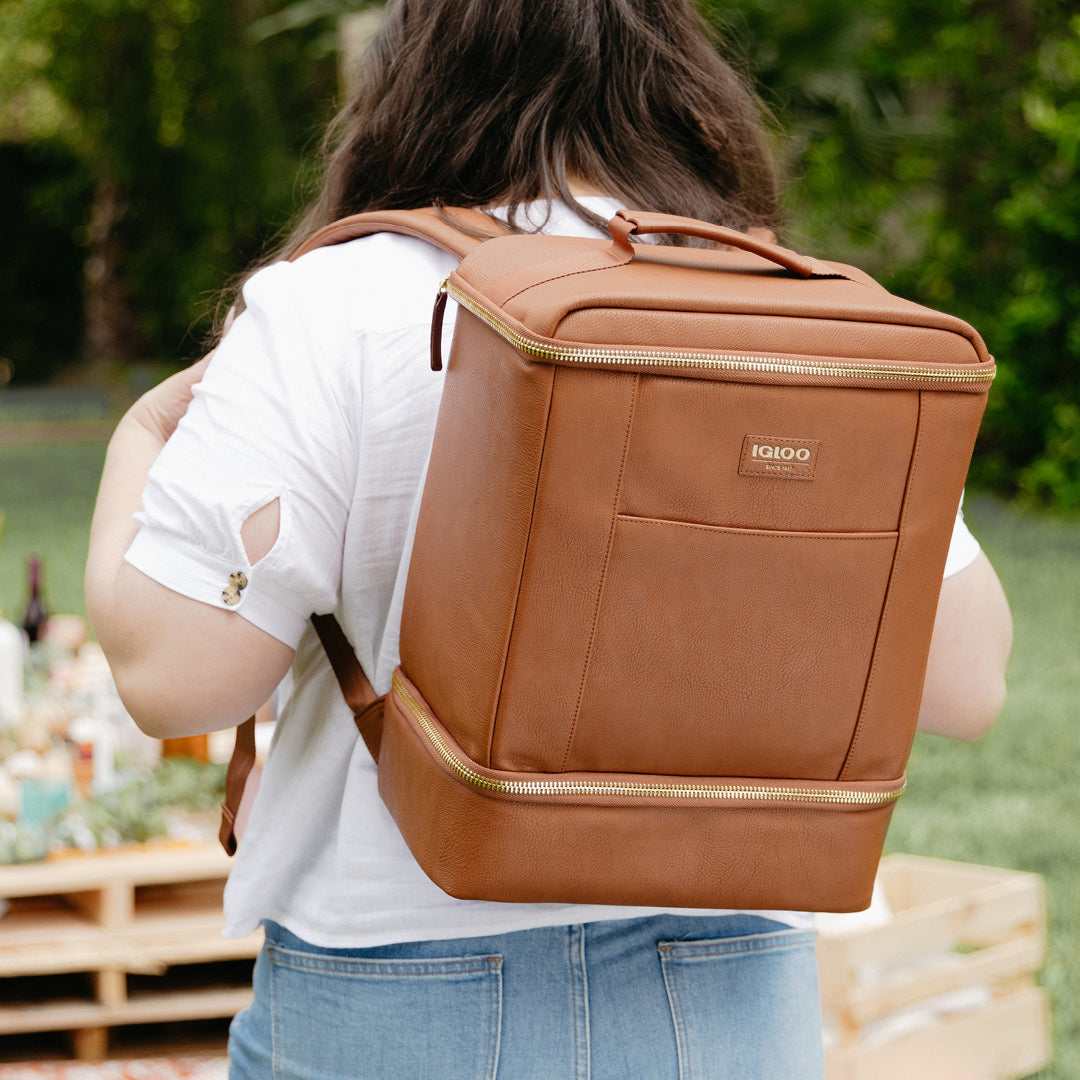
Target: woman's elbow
{"x": 969, "y": 718}
{"x": 153, "y": 713}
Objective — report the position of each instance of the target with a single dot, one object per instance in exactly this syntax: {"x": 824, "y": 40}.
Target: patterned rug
{"x": 188, "y": 1068}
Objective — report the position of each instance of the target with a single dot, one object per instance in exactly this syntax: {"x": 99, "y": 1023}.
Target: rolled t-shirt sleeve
{"x": 272, "y": 419}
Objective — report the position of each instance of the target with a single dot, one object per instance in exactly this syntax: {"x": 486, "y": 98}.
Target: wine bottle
{"x": 35, "y": 615}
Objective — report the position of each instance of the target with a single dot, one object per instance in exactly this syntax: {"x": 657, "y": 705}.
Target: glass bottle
{"x": 35, "y": 615}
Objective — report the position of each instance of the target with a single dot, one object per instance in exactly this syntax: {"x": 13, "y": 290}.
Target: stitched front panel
{"x": 473, "y": 530}
{"x": 691, "y": 440}
{"x": 563, "y": 578}
{"x": 750, "y": 568}
{"x": 725, "y": 640}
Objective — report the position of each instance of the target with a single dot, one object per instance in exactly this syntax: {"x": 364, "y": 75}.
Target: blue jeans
{"x": 664, "y": 998}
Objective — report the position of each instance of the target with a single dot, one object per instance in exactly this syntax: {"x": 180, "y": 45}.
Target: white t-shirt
{"x": 321, "y": 396}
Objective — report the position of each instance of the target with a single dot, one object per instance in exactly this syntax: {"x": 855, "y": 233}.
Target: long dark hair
{"x": 478, "y": 102}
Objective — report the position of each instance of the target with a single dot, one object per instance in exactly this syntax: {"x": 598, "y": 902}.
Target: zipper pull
{"x": 436, "y": 327}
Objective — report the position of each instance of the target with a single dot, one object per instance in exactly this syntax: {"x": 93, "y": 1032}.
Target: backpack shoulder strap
{"x": 456, "y": 230}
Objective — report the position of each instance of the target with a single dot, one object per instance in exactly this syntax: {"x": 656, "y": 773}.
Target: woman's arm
{"x": 965, "y": 677}
{"x": 180, "y": 666}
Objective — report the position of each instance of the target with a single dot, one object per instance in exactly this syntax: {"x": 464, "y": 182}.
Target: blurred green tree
{"x": 191, "y": 135}
{"x": 938, "y": 144}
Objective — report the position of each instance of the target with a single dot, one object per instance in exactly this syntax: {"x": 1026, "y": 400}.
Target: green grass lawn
{"x": 1012, "y": 800}
{"x": 46, "y": 499}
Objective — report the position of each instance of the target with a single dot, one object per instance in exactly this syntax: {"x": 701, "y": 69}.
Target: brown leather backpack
{"x": 675, "y": 573}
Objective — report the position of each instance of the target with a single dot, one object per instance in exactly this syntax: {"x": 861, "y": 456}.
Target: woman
{"x": 297, "y": 461}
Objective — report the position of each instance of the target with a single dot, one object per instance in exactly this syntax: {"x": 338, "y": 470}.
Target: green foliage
{"x": 46, "y": 498}
{"x": 195, "y": 129}
{"x": 1002, "y": 245}
{"x": 938, "y": 145}
{"x": 1012, "y": 800}
{"x": 842, "y": 126}
{"x": 138, "y": 809}
{"x": 30, "y": 108}
{"x": 44, "y": 192}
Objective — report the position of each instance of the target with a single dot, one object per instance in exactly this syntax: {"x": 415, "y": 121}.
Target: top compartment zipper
{"x": 544, "y": 349}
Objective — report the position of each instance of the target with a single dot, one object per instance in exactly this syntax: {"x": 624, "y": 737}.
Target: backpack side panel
{"x": 473, "y": 531}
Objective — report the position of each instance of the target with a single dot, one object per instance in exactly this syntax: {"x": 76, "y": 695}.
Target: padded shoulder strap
{"x": 365, "y": 705}
{"x": 457, "y": 230}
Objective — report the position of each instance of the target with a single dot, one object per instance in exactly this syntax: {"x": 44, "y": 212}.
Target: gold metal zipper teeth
{"x": 761, "y": 365}
{"x": 555, "y": 788}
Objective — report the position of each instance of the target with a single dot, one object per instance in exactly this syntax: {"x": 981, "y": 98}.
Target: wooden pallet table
{"x": 145, "y": 910}
{"x": 944, "y": 988}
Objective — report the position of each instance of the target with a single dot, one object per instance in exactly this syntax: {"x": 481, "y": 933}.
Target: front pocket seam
{"x": 386, "y": 968}
{"x": 780, "y": 534}
{"x": 720, "y": 948}
{"x": 590, "y": 644}
{"x": 300, "y": 974}
{"x": 675, "y": 1008}
{"x": 495, "y": 990}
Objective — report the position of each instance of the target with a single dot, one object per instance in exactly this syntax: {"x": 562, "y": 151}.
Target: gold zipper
{"x": 628, "y": 789}
{"x": 541, "y": 349}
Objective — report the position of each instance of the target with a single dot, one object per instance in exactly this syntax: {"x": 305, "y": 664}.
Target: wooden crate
{"x": 941, "y": 988}
{"x": 151, "y": 909}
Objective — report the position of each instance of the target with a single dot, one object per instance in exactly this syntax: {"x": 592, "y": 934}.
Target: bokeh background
{"x": 151, "y": 149}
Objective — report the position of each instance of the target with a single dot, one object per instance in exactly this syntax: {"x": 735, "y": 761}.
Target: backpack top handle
{"x": 629, "y": 223}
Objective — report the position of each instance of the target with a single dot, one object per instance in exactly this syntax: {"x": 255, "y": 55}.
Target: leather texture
{"x": 602, "y": 586}
{"x": 676, "y": 570}
{"x": 665, "y": 852}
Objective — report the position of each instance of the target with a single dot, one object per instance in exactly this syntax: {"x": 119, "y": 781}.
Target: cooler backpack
{"x": 675, "y": 572}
